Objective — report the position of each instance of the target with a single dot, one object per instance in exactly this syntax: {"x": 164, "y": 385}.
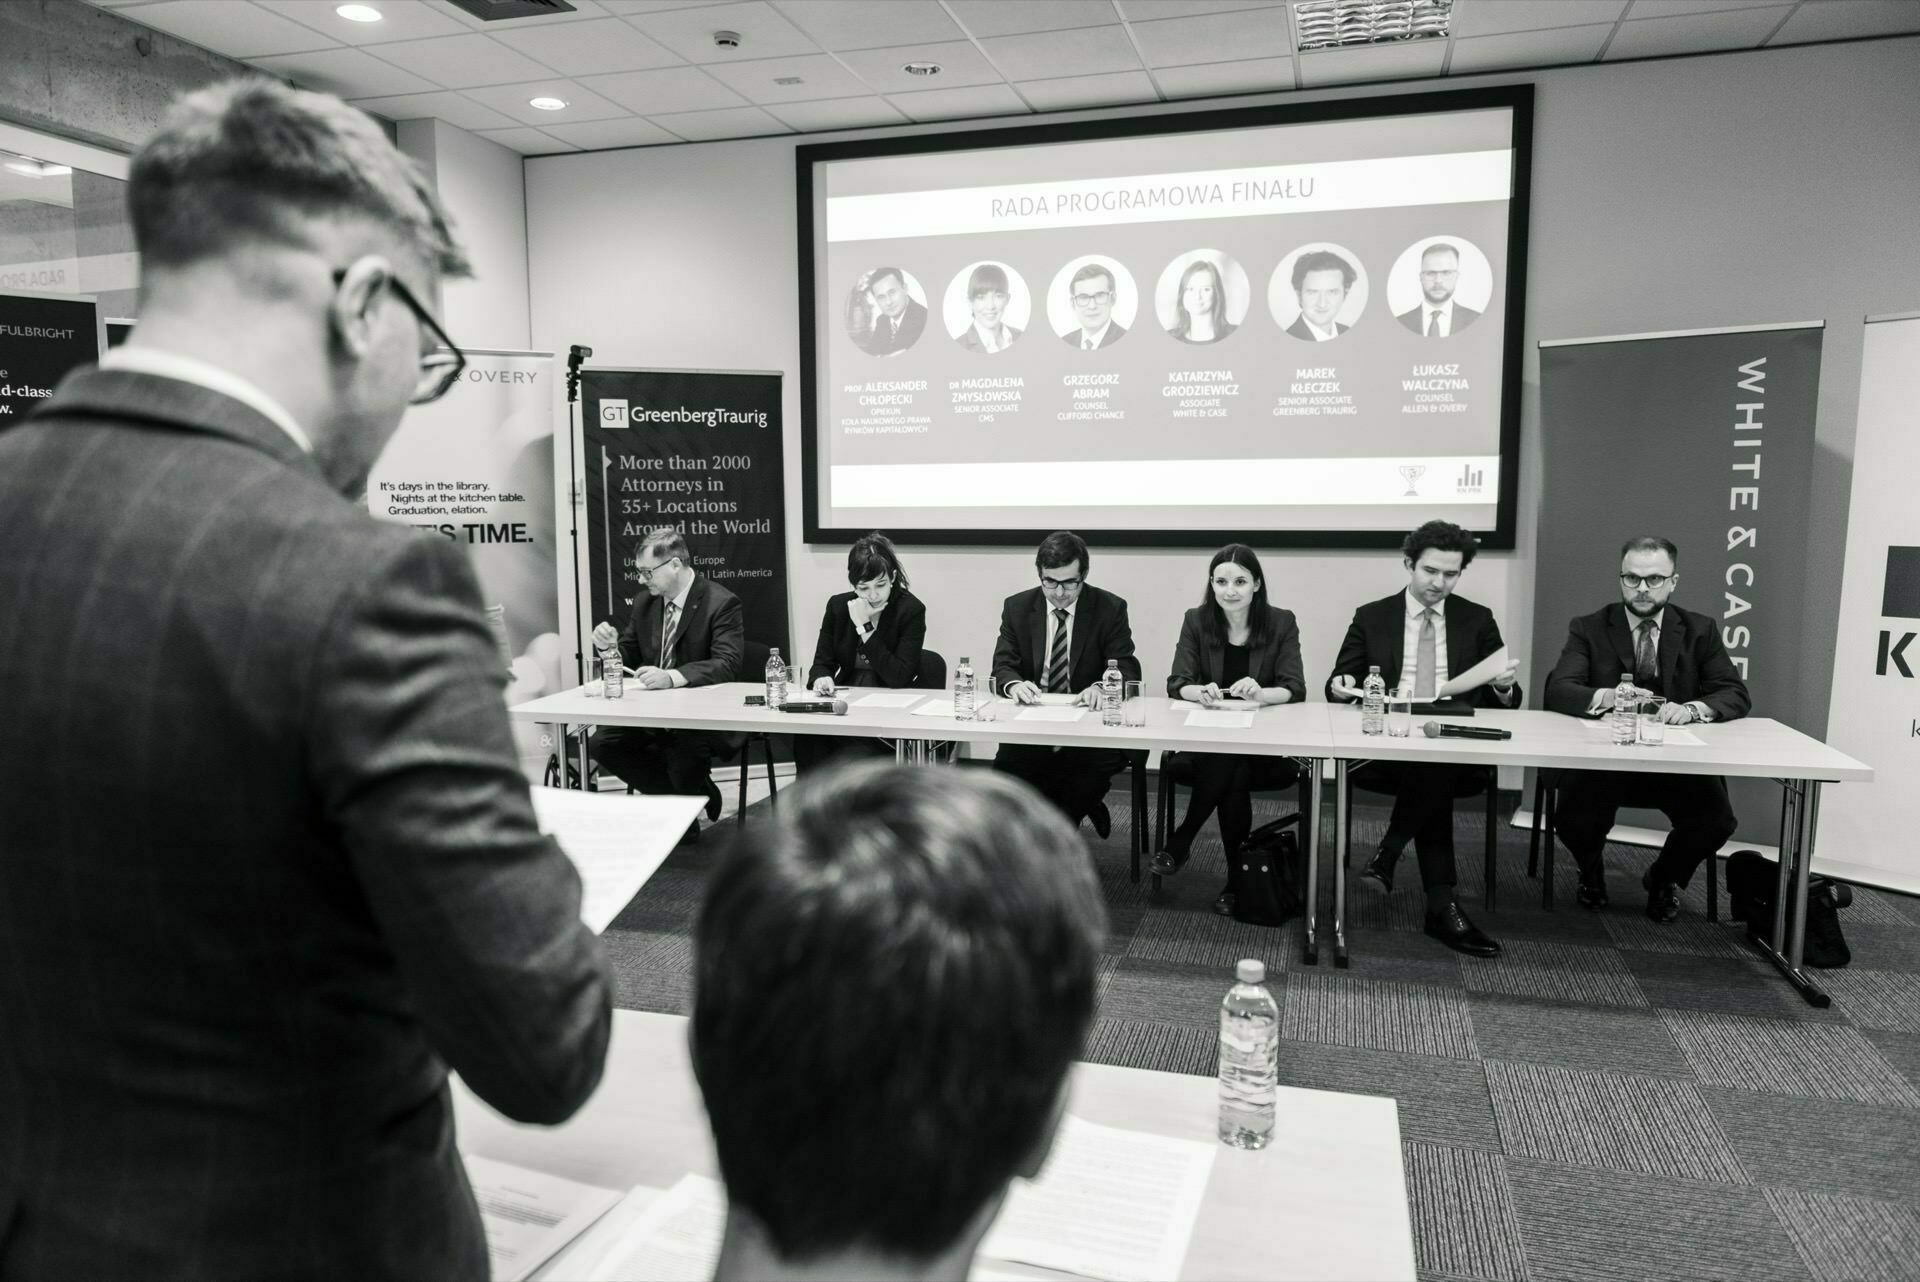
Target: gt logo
{"x": 613, "y": 413}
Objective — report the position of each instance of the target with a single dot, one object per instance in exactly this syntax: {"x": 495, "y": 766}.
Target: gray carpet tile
{"x": 1907, "y": 906}
{"x": 1166, "y": 1048}
{"x": 1522, "y": 917}
{"x": 1370, "y": 908}
{"x": 1564, "y": 972}
{"x": 1579, "y": 1224}
{"x": 1442, "y": 1101}
{"x": 1401, "y": 956}
{"x": 652, "y": 970}
{"x": 1340, "y": 1011}
{"x": 1599, "y": 1039}
{"x": 1902, "y": 1050}
{"x": 1787, "y": 1057}
{"x": 1463, "y": 1220}
{"x": 1188, "y": 996}
{"x": 1103, "y": 978}
{"x": 1882, "y": 945}
{"x": 1734, "y": 986}
{"x": 1653, "y": 1125}
{"x": 1631, "y": 928}
{"x": 1196, "y": 937}
{"x": 1851, "y": 1239}
{"x": 1876, "y": 907}
{"x": 1821, "y": 1146}
{"x": 1875, "y": 998}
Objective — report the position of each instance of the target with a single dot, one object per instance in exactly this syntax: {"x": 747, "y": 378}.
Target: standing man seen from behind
{"x": 1056, "y": 639}
{"x": 1440, "y": 314}
{"x": 1091, "y": 293}
{"x": 1666, "y": 651}
{"x": 901, "y": 320}
{"x": 1418, "y": 638}
{"x": 685, "y": 630}
{"x": 270, "y": 868}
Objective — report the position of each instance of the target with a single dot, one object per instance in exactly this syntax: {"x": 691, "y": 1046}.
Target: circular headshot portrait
{"x": 1092, "y": 302}
{"x": 1202, "y": 296}
{"x": 1318, "y": 292}
{"x": 886, "y": 311}
{"x": 1439, "y": 286}
{"x": 987, "y": 306}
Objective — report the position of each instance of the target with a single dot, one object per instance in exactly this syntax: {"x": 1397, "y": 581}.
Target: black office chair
{"x": 1546, "y": 799}
{"x": 1176, "y": 772}
{"x": 933, "y": 671}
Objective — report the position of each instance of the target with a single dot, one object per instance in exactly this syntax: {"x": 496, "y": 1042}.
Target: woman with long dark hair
{"x": 1232, "y": 645}
{"x": 871, "y": 636}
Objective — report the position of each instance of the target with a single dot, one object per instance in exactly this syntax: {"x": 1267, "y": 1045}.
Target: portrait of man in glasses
{"x": 1091, "y": 294}
{"x": 1440, "y": 313}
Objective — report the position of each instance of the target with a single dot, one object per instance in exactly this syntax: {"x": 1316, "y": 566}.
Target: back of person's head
{"x": 252, "y": 162}
{"x": 1441, "y": 536}
{"x": 872, "y": 557}
{"x": 893, "y": 973}
{"x": 1062, "y": 547}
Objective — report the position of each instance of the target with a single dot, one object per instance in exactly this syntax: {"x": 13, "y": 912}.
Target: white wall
{"x": 1683, "y": 193}
{"x": 483, "y": 187}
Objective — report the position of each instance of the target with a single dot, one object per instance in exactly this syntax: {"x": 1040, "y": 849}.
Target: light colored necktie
{"x": 1057, "y": 655}
{"x": 1646, "y": 668}
{"x": 1427, "y": 664}
{"x": 669, "y": 633}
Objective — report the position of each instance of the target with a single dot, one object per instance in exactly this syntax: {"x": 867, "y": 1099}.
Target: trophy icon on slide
{"x": 1412, "y": 472}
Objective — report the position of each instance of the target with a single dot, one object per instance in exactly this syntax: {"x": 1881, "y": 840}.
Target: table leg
{"x": 1341, "y": 837}
{"x": 585, "y": 767}
{"x": 1310, "y": 953}
{"x": 1799, "y": 809}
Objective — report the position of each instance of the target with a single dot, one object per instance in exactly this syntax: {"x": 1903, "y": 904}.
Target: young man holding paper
{"x": 1418, "y": 638}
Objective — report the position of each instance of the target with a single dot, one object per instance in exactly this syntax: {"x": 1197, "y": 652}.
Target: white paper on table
{"x": 1221, "y": 718}
{"x": 1050, "y": 712}
{"x": 615, "y": 842}
{"x": 1476, "y": 676}
{"x": 528, "y": 1216}
{"x": 676, "y": 1239}
{"x": 942, "y": 706}
{"x": 1602, "y": 728}
{"x": 890, "y": 699}
{"x": 1058, "y": 699}
{"x": 1112, "y": 1204}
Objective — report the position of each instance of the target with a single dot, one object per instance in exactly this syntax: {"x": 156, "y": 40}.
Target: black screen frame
{"x": 1518, "y": 98}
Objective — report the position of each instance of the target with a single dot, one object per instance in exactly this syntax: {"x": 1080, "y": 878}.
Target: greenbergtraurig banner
{"x": 1704, "y": 438}
{"x": 42, "y": 337}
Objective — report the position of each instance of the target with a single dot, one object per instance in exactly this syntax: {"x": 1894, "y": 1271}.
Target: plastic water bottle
{"x": 776, "y": 679}
{"x": 1373, "y": 707}
{"x": 1111, "y": 688}
{"x": 612, "y": 676}
{"x": 1625, "y": 708}
{"x": 1249, "y": 1058}
{"x": 963, "y": 690}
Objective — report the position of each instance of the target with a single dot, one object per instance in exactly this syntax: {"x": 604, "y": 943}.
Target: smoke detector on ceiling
{"x": 727, "y": 39}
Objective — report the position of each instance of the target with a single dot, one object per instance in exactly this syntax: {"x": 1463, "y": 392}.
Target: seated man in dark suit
{"x": 685, "y": 630}
{"x": 1056, "y": 639}
{"x": 951, "y": 924}
{"x": 1670, "y": 652}
{"x": 1417, "y": 638}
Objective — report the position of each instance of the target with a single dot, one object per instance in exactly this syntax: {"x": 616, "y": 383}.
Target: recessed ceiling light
{"x": 37, "y": 168}
{"x": 922, "y": 68}
{"x": 358, "y": 13}
{"x": 548, "y": 104}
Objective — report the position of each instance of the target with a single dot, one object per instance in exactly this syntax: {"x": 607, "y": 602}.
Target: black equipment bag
{"x": 1753, "y": 883}
{"x": 1268, "y": 874}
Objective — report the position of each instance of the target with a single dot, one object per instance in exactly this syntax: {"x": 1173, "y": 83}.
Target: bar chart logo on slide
{"x": 613, "y": 413}
{"x": 1471, "y": 480}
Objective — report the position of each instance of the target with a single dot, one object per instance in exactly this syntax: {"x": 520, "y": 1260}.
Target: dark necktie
{"x": 1645, "y": 669}
{"x": 669, "y": 633}
{"x": 1433, "y": 324}
{"x": 1057, "y": 655}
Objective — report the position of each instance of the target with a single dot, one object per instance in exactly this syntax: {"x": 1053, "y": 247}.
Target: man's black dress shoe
{"x": 1592, "y": 894}
{"x": 1451, "y": 927}
{"x": 1663, "y": 898}
{"x": 1379, "y": 869}
{"x": 1167, "y": 862}
{"x": 1102, "y": 820}
{"x": 1224, "y": 904}
{"x": 713, "y": 802}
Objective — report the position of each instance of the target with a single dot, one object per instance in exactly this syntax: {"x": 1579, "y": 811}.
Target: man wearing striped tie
{"x": 686, "y": 630}
{"x": 1055, "y": 639}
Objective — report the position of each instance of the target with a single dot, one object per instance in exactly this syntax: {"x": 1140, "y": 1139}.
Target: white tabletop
{"x": 1326, "y": 1199}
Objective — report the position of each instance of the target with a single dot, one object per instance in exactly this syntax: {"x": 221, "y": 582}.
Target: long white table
{"x": 1325, "y": 1199}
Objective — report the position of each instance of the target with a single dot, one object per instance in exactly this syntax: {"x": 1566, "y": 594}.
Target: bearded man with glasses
{"x": 1670, "y": 652}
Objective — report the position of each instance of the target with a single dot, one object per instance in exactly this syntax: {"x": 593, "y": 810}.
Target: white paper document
{"x": 1476, "y": 676}
{"x": 1112, "y": 1204}
{"x": 942, "y": 706}
{"x": 1061, "y": 699}
{"x": 1602, "y": 729}
{"x": 528, "y": 1216}
{"x": 615, "y": 841}
{"x": 890, "y": 699}
{"x": 676, "y": 1239}
{"x": 1050, "y": 712}
{"x": 1221, "y": 718}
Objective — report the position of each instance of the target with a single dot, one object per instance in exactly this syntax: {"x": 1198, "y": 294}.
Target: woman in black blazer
{"x": 870, "y": 636}
{"x": 1232, "y": 645}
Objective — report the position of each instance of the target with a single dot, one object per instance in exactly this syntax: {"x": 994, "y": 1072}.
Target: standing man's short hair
{"x": 665, "y": 542}
{"x": 1441, "y": 536}
{"x": 893, "y": 974}
{"x": 1062, "y": 547}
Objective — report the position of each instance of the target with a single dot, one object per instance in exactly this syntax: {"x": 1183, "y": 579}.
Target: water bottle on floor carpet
{"x": 1249, "y": 1058}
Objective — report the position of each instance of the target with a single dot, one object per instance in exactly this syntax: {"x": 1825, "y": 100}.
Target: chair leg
{"x": 1161, "y": 804}
{"x": 1546, "y": 845}
{"x": 1713, "y": 887}
{"x": 1493, "y": 813}
{"x": 1138, "y": 796}
{"x": 773, "y": 784}
{"x": 1346, "y": 851}
{"x": 1533, "y": 831}
{"x": 746, "y": 768}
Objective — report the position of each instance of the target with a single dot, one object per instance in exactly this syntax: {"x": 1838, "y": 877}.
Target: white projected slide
{"x": 1280, "y": 327}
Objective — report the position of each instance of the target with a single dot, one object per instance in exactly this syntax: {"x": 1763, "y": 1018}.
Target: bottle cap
{"x": 965, "y": 659}
{"x": 1251, "y": 971}
{"x": 1372, "y": 668}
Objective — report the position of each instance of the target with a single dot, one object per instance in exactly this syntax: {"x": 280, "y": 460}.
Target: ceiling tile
{"x": 728, "y": 122}
{"x": 1495, "y": 17}
{"x": 871, "y": 24}
{"x": 1675, "y": 8}
{"x": 1252, "y": 33}
{"x": 960, "y": 64}
{"x": 1072, "y": 92}
{"x": 1153, "y": 10}
{"x": 595, "y": 48}
{"x": 458, "y": 62}
{"x": 957, "y": 104}
{"x": 1701, "y": 33}
{"x": 1375, "y": 62}
{"x": 582, "y": 11}
{"x": 237, "y": 30}
{"x": 839, "y": 113}
{"x": 1255, "y": 75}
{"x": 985, "y": 18}
{"x": 820, "y": 77}
{"x": 347, "y": 72}
{"x": 528, "y": 142}
{"x": 582, "y": 103}
{"x": 598, "y": 135}
{"x": 448, "y": 106}
{"x": 764, "y": 33}
{"x": 1529, "y": 49}
{"x": 669, "y": 89}
{"x": 399, "y": 20}
{"x": 1844, "y": 21}
{"x": 1085, "y": 51}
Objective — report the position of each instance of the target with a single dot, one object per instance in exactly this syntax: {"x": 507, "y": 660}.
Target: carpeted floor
{"x": 1611, "y": 1099}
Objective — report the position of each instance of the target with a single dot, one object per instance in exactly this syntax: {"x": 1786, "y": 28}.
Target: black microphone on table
{"x": 820, "y": 707}
{"x": 1447, "y": 730}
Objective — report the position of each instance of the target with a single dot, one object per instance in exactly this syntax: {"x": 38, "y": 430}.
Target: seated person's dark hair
{"x": 871, "y": 557}
{"x": 1062, "y": 547}
{"x": 1441, "y": 536}
{"x": 893, "y": 973}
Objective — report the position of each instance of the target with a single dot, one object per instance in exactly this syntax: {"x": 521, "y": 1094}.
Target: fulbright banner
{"x": 42, "y": 337}
{"x": 1704, "y": 438}
{"x": 1867, "y": 833}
